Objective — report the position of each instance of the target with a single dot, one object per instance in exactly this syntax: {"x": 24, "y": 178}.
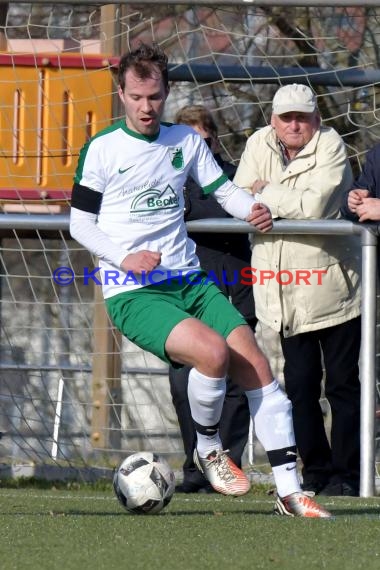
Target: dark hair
{"x": 197, "y": 115}
{"x": 144, "y": 59}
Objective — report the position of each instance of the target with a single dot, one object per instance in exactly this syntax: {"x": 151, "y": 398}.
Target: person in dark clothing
{"x": 223, "y": 256}
{"x": 362, "y": 202}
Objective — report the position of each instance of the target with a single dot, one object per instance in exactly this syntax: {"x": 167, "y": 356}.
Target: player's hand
{"x": 141, "y": 262}
{"x": 260, "y": 217}
{"x": 355, "y": 198}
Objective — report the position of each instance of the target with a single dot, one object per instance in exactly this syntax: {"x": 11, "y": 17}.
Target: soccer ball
{"x": 144, "y": 483}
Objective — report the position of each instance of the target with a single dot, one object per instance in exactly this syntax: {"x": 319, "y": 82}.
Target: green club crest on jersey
{"x": 176, "y": 157}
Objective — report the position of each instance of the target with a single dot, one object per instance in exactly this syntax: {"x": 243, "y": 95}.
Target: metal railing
{"x": 208, "y": 3}
{"x": 368, "y": 238}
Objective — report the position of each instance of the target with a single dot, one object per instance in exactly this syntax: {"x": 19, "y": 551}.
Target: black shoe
{"x": 341, "y": 489}
{"x": 188, "y": 487}
{"x": 207, "y": 489}
{"x": 313, "y": 486}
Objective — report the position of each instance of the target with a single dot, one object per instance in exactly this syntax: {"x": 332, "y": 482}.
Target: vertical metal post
{"x": 368, "y": 364}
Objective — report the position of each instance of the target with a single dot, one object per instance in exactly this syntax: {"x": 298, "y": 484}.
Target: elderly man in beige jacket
{"x": 307, "y": 287}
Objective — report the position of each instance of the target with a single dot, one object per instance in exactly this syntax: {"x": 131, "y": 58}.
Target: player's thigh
{"x": 209, "y": 305}
{"x": 200, "y": 341}
{"x": 146, "y": 318}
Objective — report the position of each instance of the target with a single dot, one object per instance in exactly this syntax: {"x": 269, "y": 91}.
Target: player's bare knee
{"x": 216, "y": 358}
{"x": 218, "y": 354}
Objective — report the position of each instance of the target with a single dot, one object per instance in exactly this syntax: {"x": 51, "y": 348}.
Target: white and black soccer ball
{"x": 144, "y": 483}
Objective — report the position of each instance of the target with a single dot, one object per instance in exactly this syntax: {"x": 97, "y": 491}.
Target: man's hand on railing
{"x": 260, "y": 217}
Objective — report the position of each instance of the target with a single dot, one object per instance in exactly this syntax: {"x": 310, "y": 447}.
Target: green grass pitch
{"x": 87, "y": 529}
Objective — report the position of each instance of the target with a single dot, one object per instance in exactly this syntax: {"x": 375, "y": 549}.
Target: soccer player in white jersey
{"x": 127, "y": 209}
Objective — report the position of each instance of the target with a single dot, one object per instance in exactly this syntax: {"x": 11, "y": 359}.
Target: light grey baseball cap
{"x": 294, "y": 97}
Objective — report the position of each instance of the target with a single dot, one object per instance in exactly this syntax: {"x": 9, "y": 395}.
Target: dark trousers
{"x": 235, "y": 418}
{"x": 234, "y": 424}
{"x": 339, "y": 348}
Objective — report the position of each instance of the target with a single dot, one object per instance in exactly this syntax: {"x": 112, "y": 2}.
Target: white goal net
{"x": 73, "y": 395}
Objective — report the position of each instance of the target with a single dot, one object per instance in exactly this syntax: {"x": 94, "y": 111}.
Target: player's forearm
{"x": 84, "y": 230}
{"x": 236, "y": 201}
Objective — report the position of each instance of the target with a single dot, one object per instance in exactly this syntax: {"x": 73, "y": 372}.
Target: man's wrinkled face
{"x": 295, "y": 129}
{"x": 144, "y": 101}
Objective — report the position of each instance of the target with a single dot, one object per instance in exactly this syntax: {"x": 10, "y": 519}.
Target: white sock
{"x": 271, "y": 412}
{"x": 286, "y": 479}
{"x": 206, "y": 398}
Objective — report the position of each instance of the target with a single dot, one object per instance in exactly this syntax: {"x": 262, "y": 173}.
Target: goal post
{"x": 106, "y": 379}
{"x": 68, "y": 381}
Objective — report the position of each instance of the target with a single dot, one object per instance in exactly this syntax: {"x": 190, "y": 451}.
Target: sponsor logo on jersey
{"x": 176, "y": 157}
{"x": 154, "y": 200}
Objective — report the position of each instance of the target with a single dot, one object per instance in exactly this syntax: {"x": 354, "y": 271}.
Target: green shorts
{"x": 146, "y": 316}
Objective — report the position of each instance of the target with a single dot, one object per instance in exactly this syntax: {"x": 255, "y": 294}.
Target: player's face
{"x": 295, "y": 129}
{"x": 144, "y": 102}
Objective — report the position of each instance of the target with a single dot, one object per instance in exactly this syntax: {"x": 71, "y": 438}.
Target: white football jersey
{"x": 141, "y": 180}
